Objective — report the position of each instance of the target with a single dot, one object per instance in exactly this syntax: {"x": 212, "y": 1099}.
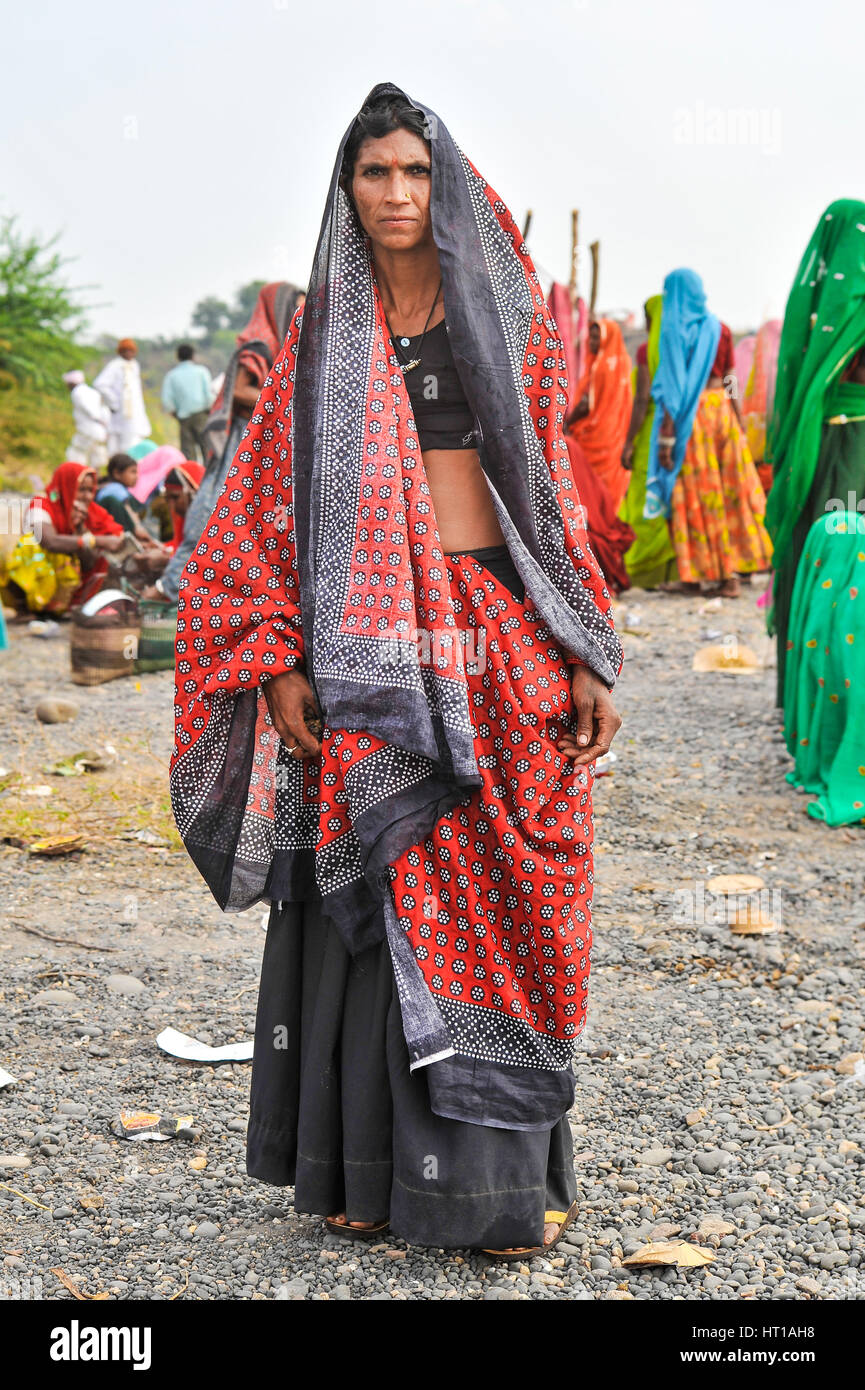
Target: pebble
{"x": 126, "y": 984}
{"x": 54, "y": 710}
{"x": 713, "y": 1161}
{"x": 655, "y": 1158}
{"x": 72, "y": 1107}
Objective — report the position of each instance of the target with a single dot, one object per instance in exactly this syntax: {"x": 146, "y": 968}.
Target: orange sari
{"x": 601, "y": 434}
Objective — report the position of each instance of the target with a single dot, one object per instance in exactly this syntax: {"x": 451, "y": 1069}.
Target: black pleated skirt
{"x": 336, "y": 1113}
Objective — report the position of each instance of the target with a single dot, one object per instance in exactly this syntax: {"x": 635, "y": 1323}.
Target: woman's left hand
{"x": 598, "y": 720}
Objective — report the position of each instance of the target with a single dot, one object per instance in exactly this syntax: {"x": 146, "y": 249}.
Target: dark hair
{"x": 118, "y": 463}
{"x": 378, "y": 118}
{"x": 185, "y": 352}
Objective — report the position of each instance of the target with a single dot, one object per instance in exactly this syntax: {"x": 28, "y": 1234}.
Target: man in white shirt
{"x": 90, "y": 440}
{"x": 119, "y": 384}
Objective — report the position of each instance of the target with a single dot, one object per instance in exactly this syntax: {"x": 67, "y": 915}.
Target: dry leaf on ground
{"x": 58, "y": 844}
{"x": 670, "y": 1252}
{"x": 730, "y": 884}
{"x": 737, "y": 660}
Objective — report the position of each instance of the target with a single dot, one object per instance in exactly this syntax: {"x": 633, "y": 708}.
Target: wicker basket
{"x": 158, "y": 633}
{"x": 104, "y": 643}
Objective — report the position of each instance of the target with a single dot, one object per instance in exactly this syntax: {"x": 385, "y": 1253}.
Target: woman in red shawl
{"x": 599, "y": 418}
{"x": 60, "y": 561}
{"x": 394, "y": 659}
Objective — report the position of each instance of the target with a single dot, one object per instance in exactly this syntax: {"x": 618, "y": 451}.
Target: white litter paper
{"x": 191, "y": 1050}
{"x": 6, "y": 1078}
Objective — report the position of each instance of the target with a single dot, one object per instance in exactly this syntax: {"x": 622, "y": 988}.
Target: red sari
{"x": 601, "y": 434}
{"x": 609, "y": 536}
{"x": 55, "y": 505}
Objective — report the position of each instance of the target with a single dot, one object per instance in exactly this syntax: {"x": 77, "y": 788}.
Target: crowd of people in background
{"x": 698, "y": 465}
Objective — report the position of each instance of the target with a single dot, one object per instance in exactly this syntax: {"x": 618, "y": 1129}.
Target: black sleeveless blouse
{"x": 441, "y": 411}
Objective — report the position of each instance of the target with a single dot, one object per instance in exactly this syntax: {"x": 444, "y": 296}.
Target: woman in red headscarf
{"x": 599, "y": 418}
{"x": 180, "y": 486}
{"x": 60, "y": 561}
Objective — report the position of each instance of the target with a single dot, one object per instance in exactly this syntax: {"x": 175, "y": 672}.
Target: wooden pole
{"x": 572, "y": 284}
{"x": 527, "y": 224}
{"x": 595, "y": 250}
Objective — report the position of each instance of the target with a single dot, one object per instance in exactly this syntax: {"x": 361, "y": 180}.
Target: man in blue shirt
{"x": 187, "y": 394}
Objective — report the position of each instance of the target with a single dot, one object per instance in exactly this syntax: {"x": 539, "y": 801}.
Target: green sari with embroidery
{"x": 824, "y": 687}
{"x": 650, "y": 560}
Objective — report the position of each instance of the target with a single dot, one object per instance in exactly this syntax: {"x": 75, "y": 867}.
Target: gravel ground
{"x": 718, "y": 1089}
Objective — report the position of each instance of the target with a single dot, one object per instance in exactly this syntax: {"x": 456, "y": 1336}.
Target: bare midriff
{"x": 461, "y": 500}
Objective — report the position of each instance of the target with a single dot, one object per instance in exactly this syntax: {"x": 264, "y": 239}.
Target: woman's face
{"x": 177, "y": 498}
{"x": 86, "y": 490}
{"x": 594, "y": 337}
{"x": 391, "y": 191}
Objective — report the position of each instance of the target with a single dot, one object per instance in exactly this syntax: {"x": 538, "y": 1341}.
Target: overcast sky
{"x": 183, "y": 147}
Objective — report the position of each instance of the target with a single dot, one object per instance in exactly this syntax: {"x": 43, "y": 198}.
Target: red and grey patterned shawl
{"x": 323, "y": 547}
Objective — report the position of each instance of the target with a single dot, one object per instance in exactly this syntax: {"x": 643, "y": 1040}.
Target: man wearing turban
{"x": 88, "y": 443}
{"x": 119, "y": 384}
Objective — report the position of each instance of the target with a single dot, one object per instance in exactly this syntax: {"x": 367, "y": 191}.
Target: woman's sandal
{"x": 339, "y": 1228}
{"x": 564, "y": 1219}
{"x": 681, "y": 587}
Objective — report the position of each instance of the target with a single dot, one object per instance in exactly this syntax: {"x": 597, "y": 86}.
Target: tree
{"x": 245, "y": 299}
{"x": 39, "y": 321}
{"x": 211, "y": 314}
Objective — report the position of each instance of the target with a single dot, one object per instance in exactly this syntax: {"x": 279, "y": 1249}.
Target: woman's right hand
{"x": 290, "y": 700}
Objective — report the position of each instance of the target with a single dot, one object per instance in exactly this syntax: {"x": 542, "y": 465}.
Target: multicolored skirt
{"x": 718, "y": 502}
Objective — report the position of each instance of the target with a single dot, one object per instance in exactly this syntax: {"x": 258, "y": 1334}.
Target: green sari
{"x": 650, "y": 560}
{"x": 838, "y": 474}
{"x": 824, "y": 689}
{"x": 824, "y": 326}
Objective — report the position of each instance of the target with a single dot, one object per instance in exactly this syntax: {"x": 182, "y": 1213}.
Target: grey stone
{"x": 654, "y": 1158}
{"x": 126, "y": 984}
{"x": 713, "y": 1161}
